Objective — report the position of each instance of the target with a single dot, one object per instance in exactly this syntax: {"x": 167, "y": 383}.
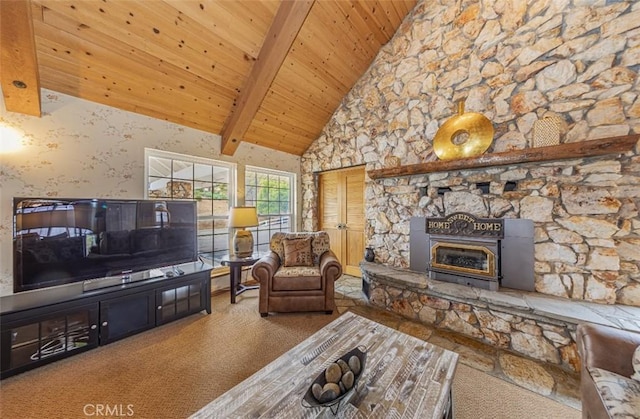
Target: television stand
{"x": 41, "y": 326}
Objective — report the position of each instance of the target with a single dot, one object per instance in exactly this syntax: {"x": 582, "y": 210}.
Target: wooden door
{"x": 341, "y": 214}
{"x": 329, "y": 212}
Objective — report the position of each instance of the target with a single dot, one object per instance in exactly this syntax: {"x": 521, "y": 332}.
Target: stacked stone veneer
{"x": 515, "y": 62}
{"x": 501, "y": 322}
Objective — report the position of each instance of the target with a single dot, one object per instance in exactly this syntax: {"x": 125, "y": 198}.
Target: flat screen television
{"x": 59, "y": 241}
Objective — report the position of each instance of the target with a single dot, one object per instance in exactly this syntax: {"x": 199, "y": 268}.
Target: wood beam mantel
{"x": 564, "y": 151}
{"x": 283, "y": 31}
{"x": 19, "y": 75}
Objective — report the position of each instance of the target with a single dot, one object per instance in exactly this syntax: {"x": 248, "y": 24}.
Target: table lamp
{"x": 241, "y": 217}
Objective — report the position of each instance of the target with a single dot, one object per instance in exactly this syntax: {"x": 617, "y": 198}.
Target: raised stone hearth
{"x": 531, "y": 324}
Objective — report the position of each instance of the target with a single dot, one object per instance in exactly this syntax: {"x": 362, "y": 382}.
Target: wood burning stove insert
{"x": 465, "y": 249}
{"x": 514, "y": 257}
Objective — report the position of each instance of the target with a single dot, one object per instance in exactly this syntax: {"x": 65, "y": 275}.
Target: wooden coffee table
{"x": 403, "y": 377}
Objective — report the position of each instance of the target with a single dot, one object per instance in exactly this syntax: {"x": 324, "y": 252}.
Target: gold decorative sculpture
{"x": 464, "y": 135}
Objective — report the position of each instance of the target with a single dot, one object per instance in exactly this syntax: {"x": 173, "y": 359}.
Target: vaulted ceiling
{"x": 266, "y": 72}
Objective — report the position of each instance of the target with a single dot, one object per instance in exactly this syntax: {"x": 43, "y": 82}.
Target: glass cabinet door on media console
{"x": 50, "y": 336}
{"x": 175, "y": 302}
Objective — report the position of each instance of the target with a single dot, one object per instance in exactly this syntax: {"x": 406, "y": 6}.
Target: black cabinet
{"x": 125, "y": 316}
{"x": 45, "y": 325}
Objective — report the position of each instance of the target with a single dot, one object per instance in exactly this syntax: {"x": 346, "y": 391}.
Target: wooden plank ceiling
{"x": 266, "y": 72}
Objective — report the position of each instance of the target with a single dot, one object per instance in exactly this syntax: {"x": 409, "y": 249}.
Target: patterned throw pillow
{"x": 297, "y": 252}
{"x": 635, "y": 361}
{"x": 319, "y": 243}
{"x": 620, "y": 395}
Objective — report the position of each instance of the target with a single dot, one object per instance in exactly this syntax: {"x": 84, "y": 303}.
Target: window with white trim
{"x": 209, "y": 182}
{"x": 273, "y": 194}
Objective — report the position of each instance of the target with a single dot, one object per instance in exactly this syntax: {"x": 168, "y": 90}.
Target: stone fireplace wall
{"x": 515, "y": 62}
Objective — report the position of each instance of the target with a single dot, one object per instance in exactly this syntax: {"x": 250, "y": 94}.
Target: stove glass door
{"x": 458, "y": 257}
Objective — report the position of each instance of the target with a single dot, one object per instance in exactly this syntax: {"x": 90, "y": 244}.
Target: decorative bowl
{"x": 310, "y": 401}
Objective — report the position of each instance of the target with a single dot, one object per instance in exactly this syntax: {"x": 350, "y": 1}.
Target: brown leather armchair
{"x": 297, "y": 288}
{"x": 606, "y": 348}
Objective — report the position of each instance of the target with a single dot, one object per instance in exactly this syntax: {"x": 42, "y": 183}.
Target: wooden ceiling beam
{"x": 283, "y": 31}
{"x": 19, "y": 76}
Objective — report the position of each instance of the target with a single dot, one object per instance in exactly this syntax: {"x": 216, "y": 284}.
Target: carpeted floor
{"x": 172, "y": 371}
{"x": 477, "y": 395}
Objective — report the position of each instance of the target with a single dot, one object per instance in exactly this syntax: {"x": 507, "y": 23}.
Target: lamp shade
{"x": 240, "y": 217}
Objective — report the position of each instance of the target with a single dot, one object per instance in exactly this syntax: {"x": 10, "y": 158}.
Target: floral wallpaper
{"x": 83, "y": 149}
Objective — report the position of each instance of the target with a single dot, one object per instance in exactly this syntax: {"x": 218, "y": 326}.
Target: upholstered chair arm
{"x": 263, "y": 270}
{"x": 607, "y": 348}
{"x": 330, "y": 267}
